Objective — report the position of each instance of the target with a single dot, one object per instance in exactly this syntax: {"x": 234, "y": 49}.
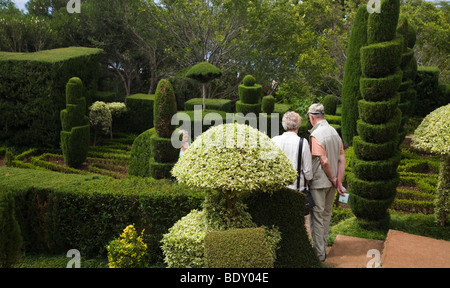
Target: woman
{"x": 289, "y": 143}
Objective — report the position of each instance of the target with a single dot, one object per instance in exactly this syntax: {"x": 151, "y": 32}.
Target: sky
{"x": 20, "y": 4}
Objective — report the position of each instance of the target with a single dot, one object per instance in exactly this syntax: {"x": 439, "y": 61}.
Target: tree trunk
{"x": 204, "y": 95}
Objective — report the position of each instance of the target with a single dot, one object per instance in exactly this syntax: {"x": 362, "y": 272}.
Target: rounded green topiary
{"x": 382, "y": 27}
{"x": 268, "y": 104}
{"x": 203, "y": 72}
{"x": 250, "y": 94}
{"x": 235, "y": 158}
{"x": 330, "y": 104}
{"x": 249, "y": 81}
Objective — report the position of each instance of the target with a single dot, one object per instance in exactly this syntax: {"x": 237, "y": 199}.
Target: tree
{"x": 350, "y": 90}
{"x": 433, "y": 135}
{"x": 204, "y": 72}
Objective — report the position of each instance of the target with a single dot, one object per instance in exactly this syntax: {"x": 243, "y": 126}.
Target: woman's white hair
{"x": 291, "y": 121}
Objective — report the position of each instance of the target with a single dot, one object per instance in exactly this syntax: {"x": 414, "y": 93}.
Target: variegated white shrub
{"x": 235, "y": 158}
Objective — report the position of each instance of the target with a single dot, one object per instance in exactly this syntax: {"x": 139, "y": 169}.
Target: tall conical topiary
{"x": 407, "y": 91}
{"x": 75, "y": 132}
{"x": 374, "y": 177}
{"x": 352, "y": 73}
{"x": 163, "y": 152}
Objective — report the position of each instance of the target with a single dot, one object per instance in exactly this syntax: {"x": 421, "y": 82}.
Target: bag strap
{"x": 299, "y": 162}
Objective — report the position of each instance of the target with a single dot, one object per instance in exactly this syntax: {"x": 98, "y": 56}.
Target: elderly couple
{"x": 322, "y": 166}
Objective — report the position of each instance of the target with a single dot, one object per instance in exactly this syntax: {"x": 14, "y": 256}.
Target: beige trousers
{"x": 319, "y": 219}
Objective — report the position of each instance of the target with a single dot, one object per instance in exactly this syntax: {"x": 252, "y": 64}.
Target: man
{"x": 328, "y": 164}
{"x": 289, "y": 143}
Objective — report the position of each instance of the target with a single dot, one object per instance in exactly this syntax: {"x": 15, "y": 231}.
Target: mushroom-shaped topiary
{"x": 433, "y": 135}
{"x": 204, "y": 72}
{"x": 235, "y": 159}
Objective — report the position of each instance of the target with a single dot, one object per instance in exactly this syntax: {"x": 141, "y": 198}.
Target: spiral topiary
{"x": 373, "y": 182}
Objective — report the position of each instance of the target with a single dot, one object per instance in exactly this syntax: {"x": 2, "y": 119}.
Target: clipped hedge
{"x": 139, "y": 115}
{"x": 238, "y": 248}
{"x": 284, "y": 209}
{"x": 211, "y": 104}
{"x": 32, "y": 92}
{"x": 57, "y": 212}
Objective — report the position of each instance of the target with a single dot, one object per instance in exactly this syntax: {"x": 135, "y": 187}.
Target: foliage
{"x": 183, "y": 245}
{"x": 129, "y": 251}
{"x": 373, "y": 192}
{"x": 10, "y": 238}
{"x": 330, "y": 104}
{"x": 75, "y": 135}
{"x": 211, "y": 104}
{"x": 99, "y": 208}
{"x": 284, "y": 210}
{"x": 350, "y": 89}
{"x": 140, "y": 110}
{"x": 235, "y": 158}
{"x": 240, "y": 248}
{"x": 164, "y": 108}
{"x": 31, "y": 104}
{"x": 433, "y": 135}
{"x": 203, "y": 72}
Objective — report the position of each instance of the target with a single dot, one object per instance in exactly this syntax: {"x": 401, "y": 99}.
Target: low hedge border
{"x": 58, "y": 212}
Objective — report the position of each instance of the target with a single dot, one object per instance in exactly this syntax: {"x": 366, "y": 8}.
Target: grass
{"x": 414, "y": 223}
{"x": 58, "y": 261}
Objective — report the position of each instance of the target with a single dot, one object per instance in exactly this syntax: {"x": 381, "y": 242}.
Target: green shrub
{"x": 224, "y": 157}
{"x": 75, "y": 135}
{"x": 284, "y": 209}
{"x": 381, "y": 59}
{"x": 382, "y": 27}
{"x": 32, "y": 88}
{"x": 245, "y": 108}
{"x": 165, "y": 107}
{"x": 57, "y": 212}
{"x": 129, "y": 251}
{"x": 139, "y": 116}
{"x": 10, "y": 237}
{"x": 250, "y": 94}
{"x": 379, "y": 133}
{"x": 268, "y": 104}
{"x": 380, "y": 89}
{"x": 183, "y": 245}
{"x": 374, "y": 191}
{"x": 352, "y": 73}
{"x": 249, "y": 81}
{"x": 429, "y": 94}
{"x": 141, "y": 153}
{"x": 239, "y": 248}
{"x": 330, "y": 104}
{"x": 378, "y": 112}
